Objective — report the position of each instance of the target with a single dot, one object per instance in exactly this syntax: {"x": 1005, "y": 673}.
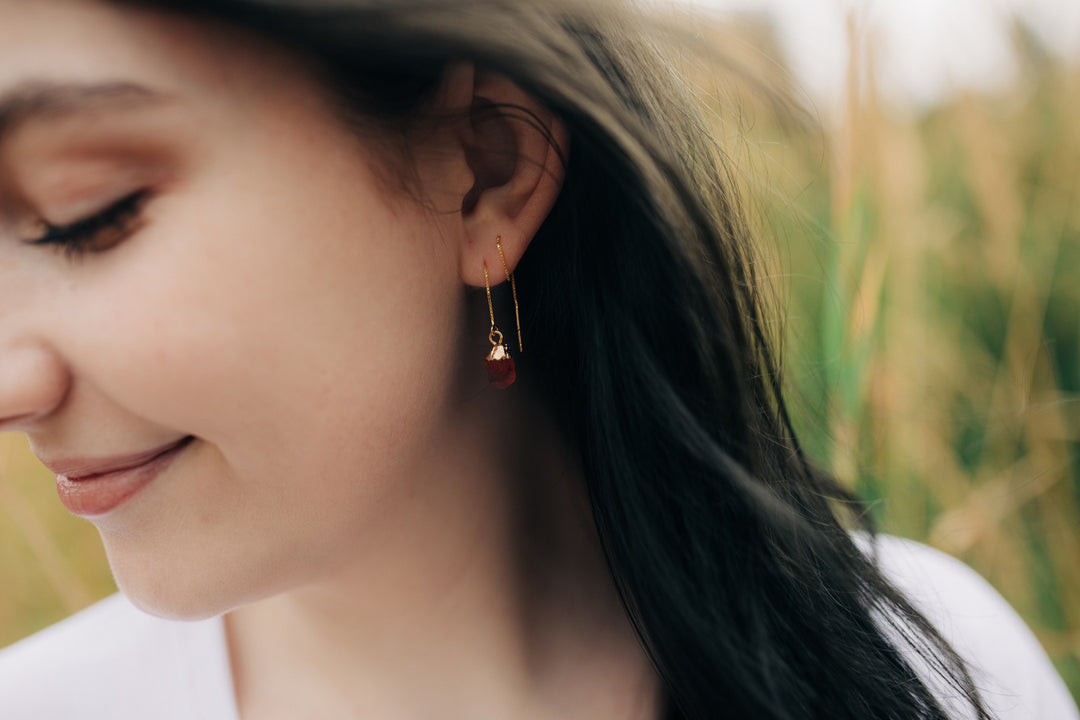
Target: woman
{"x": 408, "y": 358}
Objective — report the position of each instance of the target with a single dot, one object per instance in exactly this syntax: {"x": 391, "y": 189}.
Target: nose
{"x": 33, "y": 383}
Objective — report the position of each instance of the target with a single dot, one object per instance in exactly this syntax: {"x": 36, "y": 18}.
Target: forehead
{"x": 74, "y": 41}
{"x": 91, "y": 42}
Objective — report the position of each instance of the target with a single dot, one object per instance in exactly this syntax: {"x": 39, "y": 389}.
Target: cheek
{"x": 312, "y": 349}
{"x": 277, "y": 317}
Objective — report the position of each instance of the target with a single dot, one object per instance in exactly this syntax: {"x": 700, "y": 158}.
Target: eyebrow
{"x": 50, "y": 100}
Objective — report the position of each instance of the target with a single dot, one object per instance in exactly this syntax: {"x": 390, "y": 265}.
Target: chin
{"x": 173, "y": 602}
{"x": 165, "y": 592}
{"x": 187, "y": 594}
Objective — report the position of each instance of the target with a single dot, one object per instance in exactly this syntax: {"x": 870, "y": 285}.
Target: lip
{"x": 95, "y": 487}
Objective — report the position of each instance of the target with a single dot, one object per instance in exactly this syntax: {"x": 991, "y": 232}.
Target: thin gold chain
{"x": 513, "y": 289}
{"x": 487, "y": 286}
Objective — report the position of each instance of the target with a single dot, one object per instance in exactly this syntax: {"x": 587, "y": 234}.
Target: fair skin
{"x": 389, "y": 536}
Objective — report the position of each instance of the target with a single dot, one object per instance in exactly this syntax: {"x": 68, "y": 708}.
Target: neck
{"x": 482, "y": 594}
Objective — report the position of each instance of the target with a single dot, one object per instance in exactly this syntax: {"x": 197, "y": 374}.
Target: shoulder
{"x": 1010, "y": 668}
{"x": 110, "y": 660}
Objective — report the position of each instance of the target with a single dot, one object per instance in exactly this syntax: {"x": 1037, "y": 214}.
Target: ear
{"x": 515, "y": 150}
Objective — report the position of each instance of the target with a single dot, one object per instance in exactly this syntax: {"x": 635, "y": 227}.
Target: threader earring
{"x": 500, "y": 366}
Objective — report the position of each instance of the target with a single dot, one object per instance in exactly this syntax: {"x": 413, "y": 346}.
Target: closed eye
{"x": 98, "y": 232}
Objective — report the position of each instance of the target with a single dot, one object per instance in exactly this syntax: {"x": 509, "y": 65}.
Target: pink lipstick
{"x": 102, "y": 486}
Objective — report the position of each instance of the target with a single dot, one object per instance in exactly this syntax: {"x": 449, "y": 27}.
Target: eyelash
{"x": 77, "y": 239}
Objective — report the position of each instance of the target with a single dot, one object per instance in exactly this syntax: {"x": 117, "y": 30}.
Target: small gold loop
{"x": 495, "y": 336}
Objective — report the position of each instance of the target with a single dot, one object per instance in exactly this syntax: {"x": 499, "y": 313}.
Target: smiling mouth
{"x": 97, "y": 493}
{"x": 87, "y": 468}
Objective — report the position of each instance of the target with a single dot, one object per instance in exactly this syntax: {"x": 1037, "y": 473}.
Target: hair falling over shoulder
{"x": 731, "y": 552}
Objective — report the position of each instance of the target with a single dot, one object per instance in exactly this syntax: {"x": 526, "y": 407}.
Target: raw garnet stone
{"x": 501, "y": 372}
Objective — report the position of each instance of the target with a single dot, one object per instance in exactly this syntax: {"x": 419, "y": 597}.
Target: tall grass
{"x": 930, "y": 273}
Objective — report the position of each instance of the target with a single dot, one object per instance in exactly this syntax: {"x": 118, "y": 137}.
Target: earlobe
{"x": 515, "y": 148}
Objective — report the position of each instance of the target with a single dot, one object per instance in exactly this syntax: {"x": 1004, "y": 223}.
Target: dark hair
{"x": 728, "y": 547}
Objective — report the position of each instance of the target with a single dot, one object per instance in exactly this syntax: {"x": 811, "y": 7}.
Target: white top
{"x": 114, "y": 662}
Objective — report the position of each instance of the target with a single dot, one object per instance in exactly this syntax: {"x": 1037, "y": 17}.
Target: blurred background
{"x": 921, "y": 224}
{"x": 920, "y": 220}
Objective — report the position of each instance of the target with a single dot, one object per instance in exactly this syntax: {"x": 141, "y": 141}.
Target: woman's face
{"x": 251, "y": 284}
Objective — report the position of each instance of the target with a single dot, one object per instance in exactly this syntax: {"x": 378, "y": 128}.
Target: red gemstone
{"x": 501, "y": 373}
